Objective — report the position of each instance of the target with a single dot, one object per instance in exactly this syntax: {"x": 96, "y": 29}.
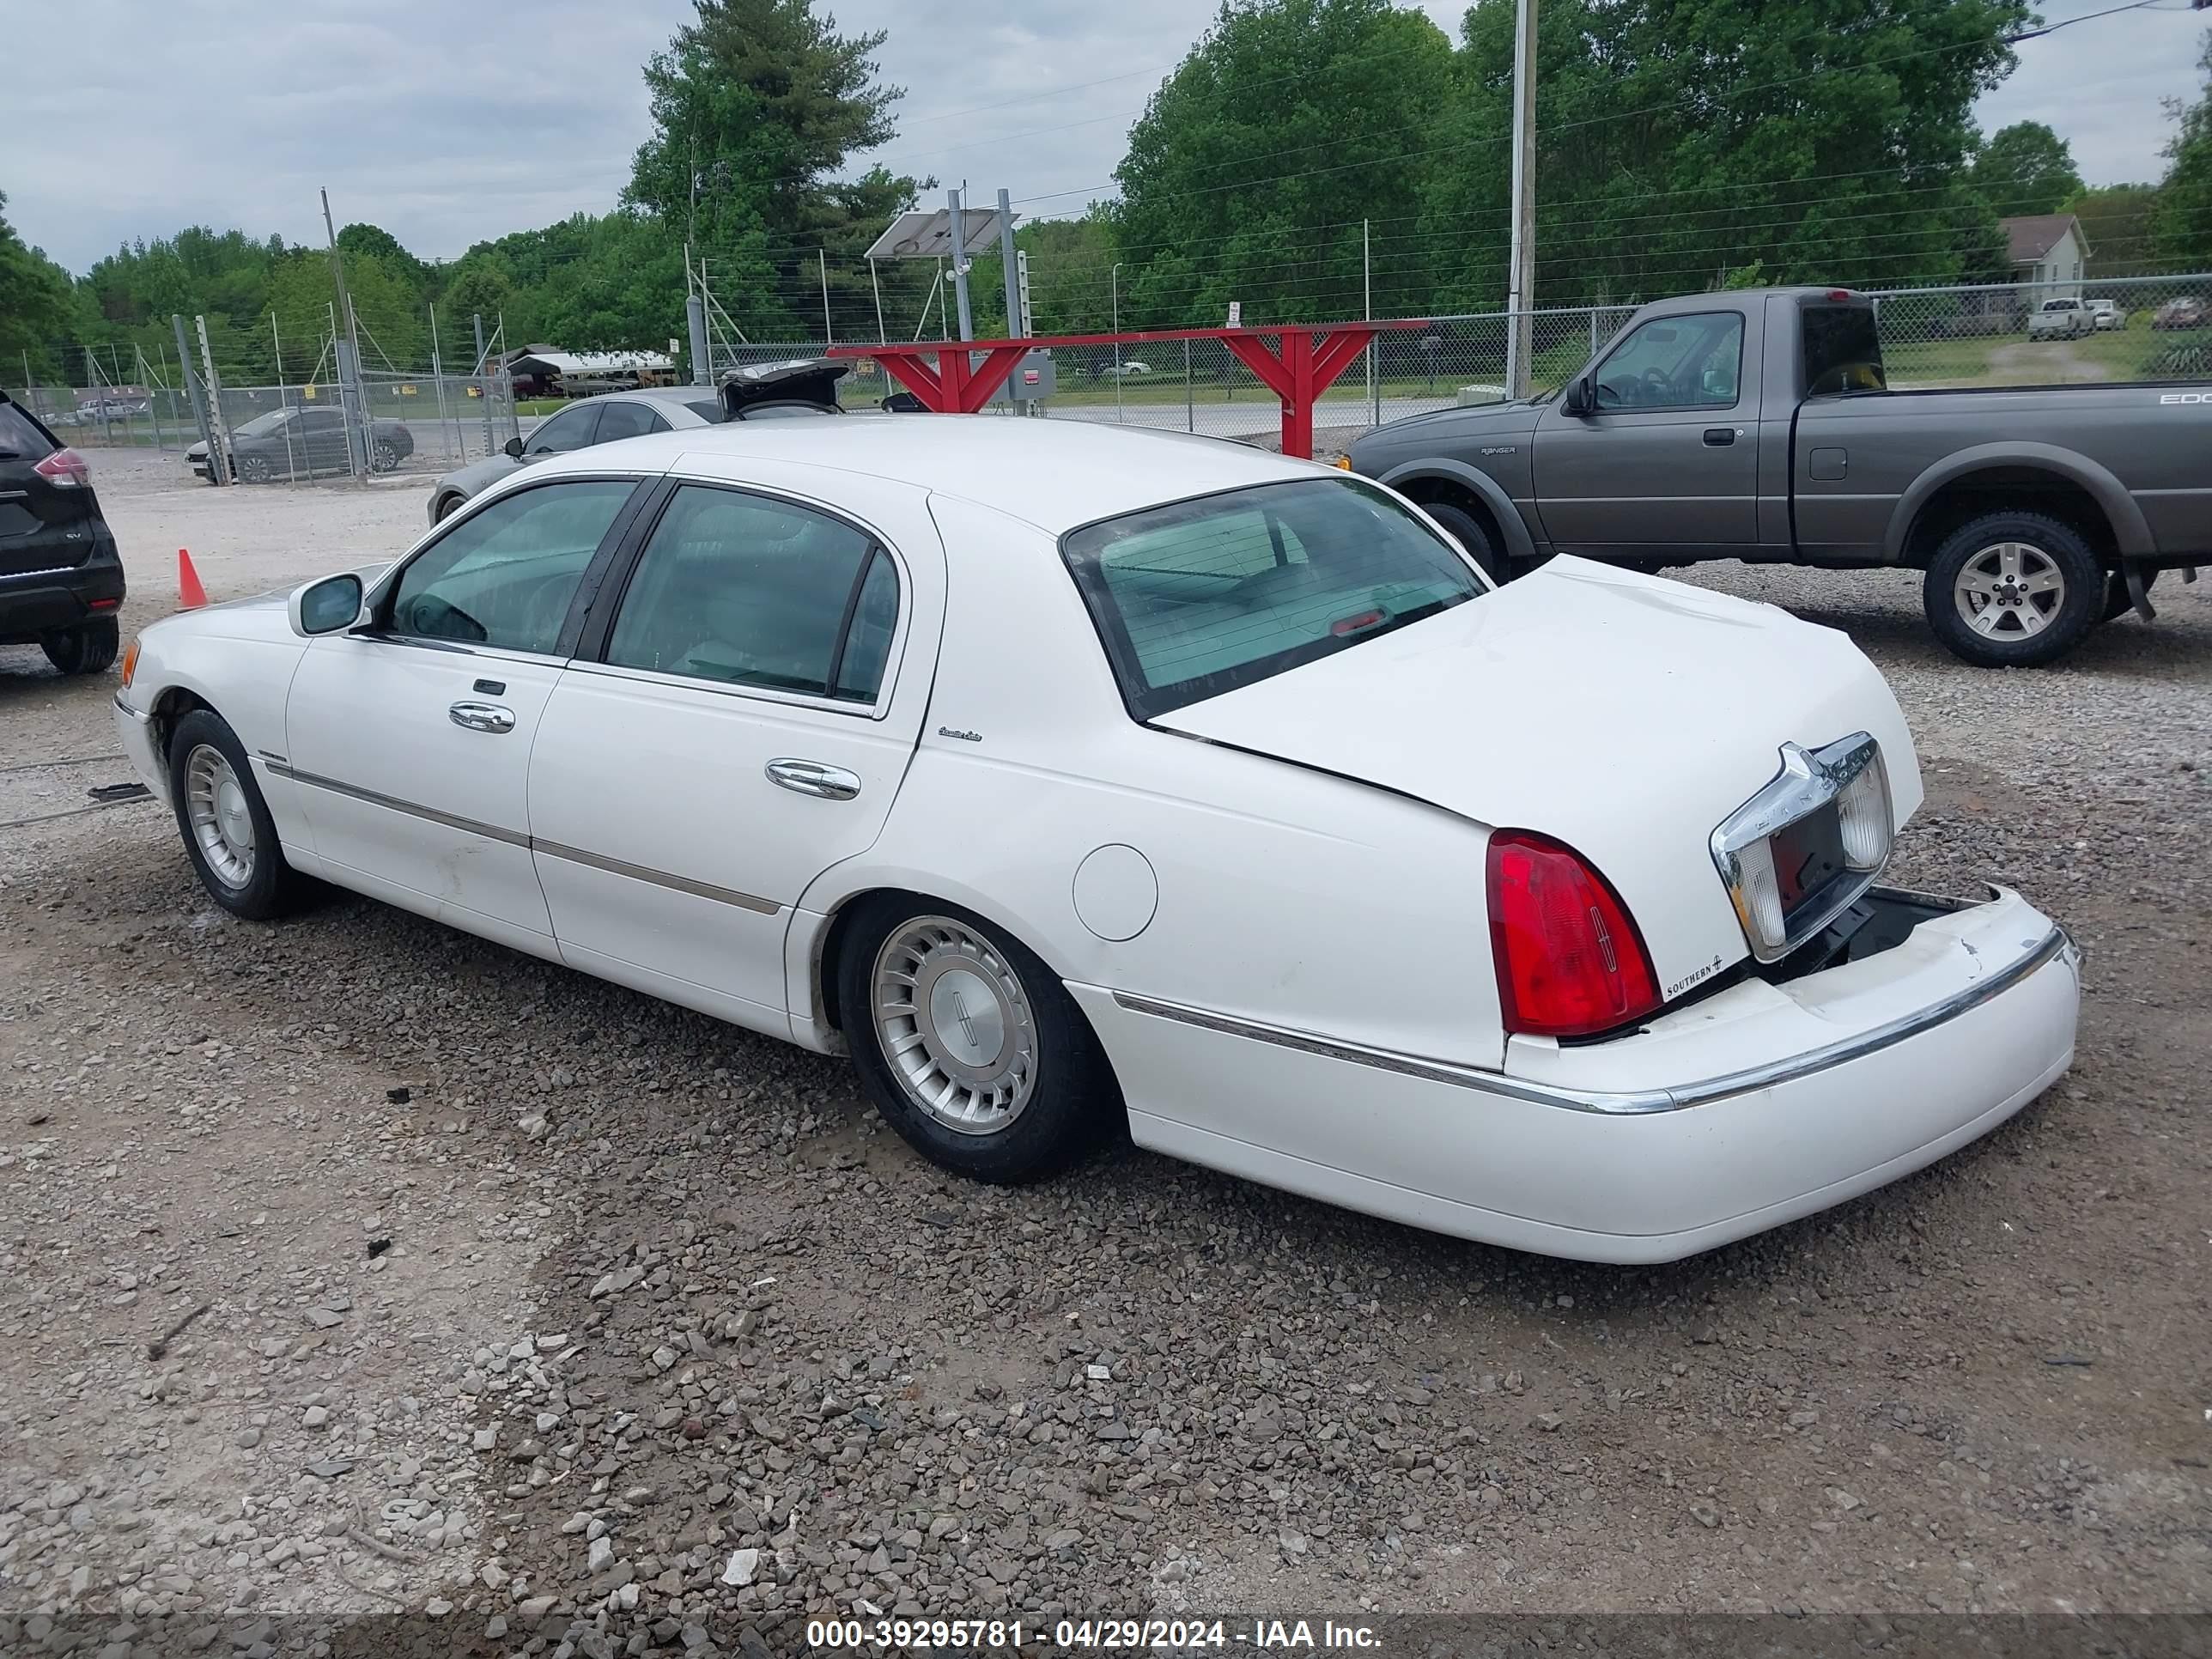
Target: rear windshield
{"x": 1200, "y": 596}
{"x": 1842, "y": 349}
{"x": 22, "y": 438}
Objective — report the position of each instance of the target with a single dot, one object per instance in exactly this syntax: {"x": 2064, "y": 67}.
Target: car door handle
{"x": 1719, "y": 437}
{"x": 812, "y": 778}
{"x": 481, "y": 716}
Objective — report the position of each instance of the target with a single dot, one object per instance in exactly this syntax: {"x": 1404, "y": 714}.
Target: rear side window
{"x": 22, "y": 437}
{"x": 1198, "y": 598}
{"x": 1842, "y": 349}
{"x": 747, "y": 590}
{"x": 627, "y": 420}
{"x": 707, "y": 409}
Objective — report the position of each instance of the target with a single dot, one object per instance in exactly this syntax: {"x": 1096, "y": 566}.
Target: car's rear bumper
{"x": 1749, "y": 1108}
{"x": 46, "y": 597}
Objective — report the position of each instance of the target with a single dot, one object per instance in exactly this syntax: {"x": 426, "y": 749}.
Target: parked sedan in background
{"x": 2183, "y": 313}
{"x": 1070, "y": 776}
{"x": 2107, "y": 314}
{"x": 298, "y": 442}
{"x": 602, "y": 420}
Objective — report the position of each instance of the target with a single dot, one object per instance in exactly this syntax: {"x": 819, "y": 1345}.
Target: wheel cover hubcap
{"x": 955, "y": 1025}
{"x": 2009, "y": 591}
{"x": 222, "y": 822}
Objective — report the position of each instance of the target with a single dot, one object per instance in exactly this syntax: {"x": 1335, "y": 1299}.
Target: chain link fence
{"x": 2011, "y": 334}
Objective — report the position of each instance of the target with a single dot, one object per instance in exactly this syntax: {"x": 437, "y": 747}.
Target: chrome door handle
{"x": 481, "y": 716}
{"x": 812, "y": 778}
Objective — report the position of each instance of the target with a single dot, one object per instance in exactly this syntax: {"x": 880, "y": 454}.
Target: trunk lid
{"x": 1623, "y": 715}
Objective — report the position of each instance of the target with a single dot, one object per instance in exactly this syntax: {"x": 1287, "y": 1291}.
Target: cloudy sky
{"x": 449, "y": 124}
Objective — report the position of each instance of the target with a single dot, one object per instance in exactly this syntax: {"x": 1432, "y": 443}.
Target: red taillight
{"x": 66, "y": 468}
{"x": 1570, "y": 960}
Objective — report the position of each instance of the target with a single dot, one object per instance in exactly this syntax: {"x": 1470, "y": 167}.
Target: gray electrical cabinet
{"x": 1032, "y": 379}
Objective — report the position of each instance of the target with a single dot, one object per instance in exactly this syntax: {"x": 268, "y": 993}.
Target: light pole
{"x": 1113, "y": 287}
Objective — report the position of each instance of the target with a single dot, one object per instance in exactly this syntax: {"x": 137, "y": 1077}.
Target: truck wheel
{"x": 1468, "y": 532}
{"x": 2118, "y": 601}
{"x": 2011, "y": 590}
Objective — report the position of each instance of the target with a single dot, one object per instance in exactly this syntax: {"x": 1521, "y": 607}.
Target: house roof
{"x": 2029, "y": 238}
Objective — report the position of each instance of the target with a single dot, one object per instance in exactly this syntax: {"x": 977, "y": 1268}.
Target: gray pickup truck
{"x": 1758, "y": 425}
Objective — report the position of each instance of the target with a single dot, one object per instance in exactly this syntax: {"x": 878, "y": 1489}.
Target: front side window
{"x": 504, "y": 575}
{"x": 747, "y": 590}
{"x": 572, "y": 428}
{"x": 1198, "y": 598}
{"x": 1675, "y": 362}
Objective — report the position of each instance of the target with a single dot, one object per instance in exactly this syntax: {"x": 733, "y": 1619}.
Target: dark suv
{"x": 61, "y": 580}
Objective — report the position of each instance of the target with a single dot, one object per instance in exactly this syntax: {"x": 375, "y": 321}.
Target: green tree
{"x": 1253, "y": 169}
{"x": 2116, "y": 223}
{"x": 38, "y": 305}
{"x": 756, "y": 107}
{"x": 2183, "y": 224}
{"x": 1678, "y": 140}
{"x": 2026, "y": 168}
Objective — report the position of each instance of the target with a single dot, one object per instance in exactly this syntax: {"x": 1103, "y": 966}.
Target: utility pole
{"x": 960, "y": 264}
{"x": 348, "y": 373}
{"x": 1521, "y": 280}
{"x": 823, "y": 255}
{"x": 1014, "y": 328}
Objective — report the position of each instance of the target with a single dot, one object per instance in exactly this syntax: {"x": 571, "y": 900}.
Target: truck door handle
{"x": 481, "y": 716}
{"x": 812, "y": 778}
{"x": 1720, "y": 437}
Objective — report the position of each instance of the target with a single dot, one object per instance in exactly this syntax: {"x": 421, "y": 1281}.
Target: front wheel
{"x": 88, "y": 649}
{"x": 1466, "y": 530}
{"x": 229, "y": 833}
{"x": 967, "y": 1044}
{"x": 2013, "y": 590}
{"x": 254, "y": 469}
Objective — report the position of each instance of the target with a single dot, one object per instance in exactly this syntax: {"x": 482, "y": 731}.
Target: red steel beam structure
{"x": 1304, "y": 363}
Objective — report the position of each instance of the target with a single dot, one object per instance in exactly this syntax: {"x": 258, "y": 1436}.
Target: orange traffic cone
{"x": 189, "y": 594}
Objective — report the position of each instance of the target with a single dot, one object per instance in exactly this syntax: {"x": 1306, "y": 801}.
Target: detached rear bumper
{"x": 1751, "y": 1108}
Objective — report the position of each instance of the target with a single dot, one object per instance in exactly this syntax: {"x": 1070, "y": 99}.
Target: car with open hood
{"x": 1071, "y": 778}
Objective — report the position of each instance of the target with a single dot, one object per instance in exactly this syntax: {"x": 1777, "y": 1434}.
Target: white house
{"x": 2050, "y": 248}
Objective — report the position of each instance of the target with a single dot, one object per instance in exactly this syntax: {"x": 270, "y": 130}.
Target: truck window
{"x": 1842, "y": 351}
{"x": 1675, "y": 362}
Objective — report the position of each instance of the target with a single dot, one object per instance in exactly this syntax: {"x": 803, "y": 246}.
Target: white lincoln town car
{"x": 1067, "y": 776}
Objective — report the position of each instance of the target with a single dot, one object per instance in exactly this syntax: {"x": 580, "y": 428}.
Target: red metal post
{"x": 1309, "y": 362}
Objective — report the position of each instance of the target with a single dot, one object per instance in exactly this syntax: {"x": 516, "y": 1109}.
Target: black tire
{"x": 2055, "y": 547}
{"x": 272, "y": 887}
{"x": 1072, "y": 1097}
{"x": 88, "y": 649}
{"x": 384, "y": 457}
{"x": 1466, "y": 530}
{"x": 253, "y": 469}
{"x": 447, "y": 507}
{"x": 2118, "y": 601}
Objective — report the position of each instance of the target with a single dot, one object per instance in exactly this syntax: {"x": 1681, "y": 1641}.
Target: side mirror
{"x": 328, "y": 606}
{"x": 514, "y": 447}
{"x": 1577, "y": 399}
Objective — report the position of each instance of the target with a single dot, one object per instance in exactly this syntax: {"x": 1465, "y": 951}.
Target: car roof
{"x": 1056, "y": 475}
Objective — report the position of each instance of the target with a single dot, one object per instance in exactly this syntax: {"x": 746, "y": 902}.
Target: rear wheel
{"x": 2013, "y": 590}
{"x": 229, "y": 833}
{"x": 1466, "y": 530}
{"x": 385, "y": 456}
{"x": 88, "y": 649}
{"x": 967, "y": 1044}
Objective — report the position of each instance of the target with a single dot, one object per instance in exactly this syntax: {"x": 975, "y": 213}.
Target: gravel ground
{"x": 351, "y": 1266}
